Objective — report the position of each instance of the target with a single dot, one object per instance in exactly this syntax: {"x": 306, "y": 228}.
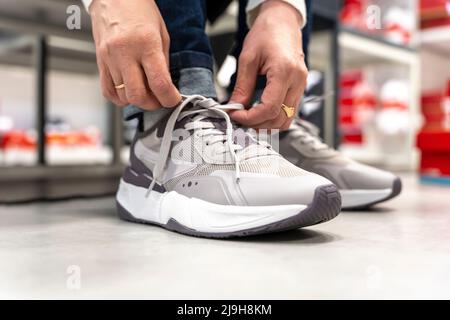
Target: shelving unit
{"x": 359, "y": 49}
{"x": 436, "y": 40}
{"x": 42, "y": 42}
{"x": 434, "y": 45}
{"x": 42, "y": 25}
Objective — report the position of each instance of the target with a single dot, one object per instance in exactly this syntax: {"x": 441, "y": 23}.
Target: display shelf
{"x": 436, "y": 40}
{"x": 43, "y": 17}
{"x": 25, "y": 184}
{"x": 125, "y": 155}
{"x": 69, "y": 55}
{"x": 358, "y": 49}
{"x": 40, "y": 40}
{"x": 58, "y": 156}
{"x": 401, "y": 161}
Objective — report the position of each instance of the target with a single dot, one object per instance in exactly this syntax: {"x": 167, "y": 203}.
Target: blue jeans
{"x": 191, "y": 60}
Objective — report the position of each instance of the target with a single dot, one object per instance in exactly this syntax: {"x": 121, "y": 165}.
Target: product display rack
{"x": 359, "y": 49}
{"x": 436, "y": 40}
{"x": 44, "y": 23}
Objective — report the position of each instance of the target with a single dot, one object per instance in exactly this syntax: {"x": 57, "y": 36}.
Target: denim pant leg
{"x": 242, "y": 33}
{"x": 191, "y": 61}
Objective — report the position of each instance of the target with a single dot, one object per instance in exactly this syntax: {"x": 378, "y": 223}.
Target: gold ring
{"x": 120, "y": 86}
{"x": 290, "y": 111}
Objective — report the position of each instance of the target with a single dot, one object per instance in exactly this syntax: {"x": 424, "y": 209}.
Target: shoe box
{"x": 374, "y": 109}
{"x": 434, "y": 138}
{"x": 394, "y": 20}
{"x": 434, "y": 13}
{"x": 350, "y": 127}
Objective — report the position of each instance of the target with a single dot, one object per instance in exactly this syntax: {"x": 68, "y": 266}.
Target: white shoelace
{"x": 203, "y": 108}
{"x": 309, "y": 134}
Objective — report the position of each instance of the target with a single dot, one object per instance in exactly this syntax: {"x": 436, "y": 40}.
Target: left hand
{"x": 273, "y": 47}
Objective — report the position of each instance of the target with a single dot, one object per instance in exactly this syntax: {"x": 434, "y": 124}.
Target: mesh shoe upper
{"x": 303, "y": 147}
{"x": 213, "y": 161}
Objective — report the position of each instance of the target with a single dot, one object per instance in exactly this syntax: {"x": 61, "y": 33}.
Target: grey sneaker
{"x": 361, "y": 186}
{"x": 197, "y": 174}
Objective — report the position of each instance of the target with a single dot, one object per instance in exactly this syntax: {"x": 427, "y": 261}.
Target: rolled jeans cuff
{"x": 191, "y": 73}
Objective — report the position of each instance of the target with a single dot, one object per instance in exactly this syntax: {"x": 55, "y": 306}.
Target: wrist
{"x": 282, "y": 9}
{"x": 94, "y": 7}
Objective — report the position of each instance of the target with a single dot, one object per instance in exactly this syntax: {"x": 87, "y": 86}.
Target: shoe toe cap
{"x": 359, "y": 176}
{"x": 281, "y": 190}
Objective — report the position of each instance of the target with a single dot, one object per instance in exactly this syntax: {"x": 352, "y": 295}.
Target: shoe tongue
{"x": 239, "y": 135}
{"x": 218, "y": 123}
{"x": 242, "y": 138}
{"x": 307, "y": 126}
{"x": 312, "y": 131}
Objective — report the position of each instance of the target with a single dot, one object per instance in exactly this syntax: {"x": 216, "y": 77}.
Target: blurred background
{"x": 383, "y": 68}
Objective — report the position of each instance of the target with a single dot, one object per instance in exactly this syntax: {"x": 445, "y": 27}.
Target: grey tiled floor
{"x": 399, "y": 250}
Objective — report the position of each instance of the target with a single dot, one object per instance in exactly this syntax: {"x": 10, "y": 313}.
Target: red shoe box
{"x": 435, "y": 23}
{"x": 434, "y": 140}
{"x": 434, "y": 13}
{"x": 350, "y": 131}
{"x": 435, "y": 148}
{"x": 433, "y": 111}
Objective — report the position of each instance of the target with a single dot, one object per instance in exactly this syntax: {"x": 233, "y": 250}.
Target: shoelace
{"x": 202, "y": 107}
{"x": 309, "y": 134}
{"x": 321, "y": 98}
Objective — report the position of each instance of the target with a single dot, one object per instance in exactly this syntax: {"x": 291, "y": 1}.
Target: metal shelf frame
{"x": 42, "y": 20}
{"x": 381, "y": 50}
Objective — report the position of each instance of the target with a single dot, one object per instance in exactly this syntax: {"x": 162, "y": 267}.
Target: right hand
{"x": 132, "y": 47}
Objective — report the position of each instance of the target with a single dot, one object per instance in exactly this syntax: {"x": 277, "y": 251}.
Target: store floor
{"x": 399, "y": 250}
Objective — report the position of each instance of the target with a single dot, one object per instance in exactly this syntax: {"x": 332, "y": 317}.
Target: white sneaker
{"x": 197, "y": 174}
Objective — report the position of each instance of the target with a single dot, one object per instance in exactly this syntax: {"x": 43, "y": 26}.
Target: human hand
{"x": 132, "y": 46}
{"x": 273, "y": 47}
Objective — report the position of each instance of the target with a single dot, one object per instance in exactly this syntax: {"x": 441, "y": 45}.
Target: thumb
{"x": 246, "y": 80}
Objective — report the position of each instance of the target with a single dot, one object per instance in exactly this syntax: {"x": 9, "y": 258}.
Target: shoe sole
{"x": 325, "y": 206}
{"x": 365, "y": 202}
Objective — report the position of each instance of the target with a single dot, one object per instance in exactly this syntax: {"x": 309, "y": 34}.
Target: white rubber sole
{"x": 196, "y": 217}
{"x": 196, "y": 214}
{"x": 361, "y": 198}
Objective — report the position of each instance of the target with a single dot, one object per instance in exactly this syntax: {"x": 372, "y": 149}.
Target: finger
{"x": 269, "y": 108}
{"x": 137, "y": 91}
{"x": 107, "y": 84}
{"x": 246, "y": 80}
{"x": 273, "y": 124}
{"x": 293, "y": 98}
{"x": 286, "y": 125}
{"x": 153, "y": 102}
{"x": 159, "y": 80}
{"x": 118, "y": 80}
